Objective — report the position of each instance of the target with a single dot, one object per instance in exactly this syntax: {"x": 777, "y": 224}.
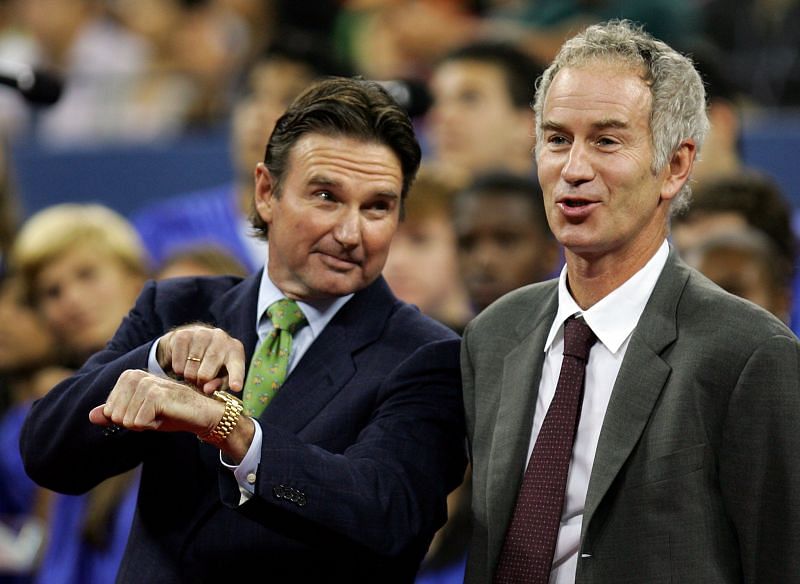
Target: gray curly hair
{"x": 678, "y": 95}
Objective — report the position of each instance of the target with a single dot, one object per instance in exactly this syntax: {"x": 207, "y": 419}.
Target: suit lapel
{"x": 522, "y": 369}
{"x": 641, "y": 379}
{"x": 328, "y": 364}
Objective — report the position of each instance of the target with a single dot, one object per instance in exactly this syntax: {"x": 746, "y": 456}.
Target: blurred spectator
{"x": 16, "y": 47}
{"x": 422, "y": 267}
{"x": 198, "y": 51}
{"x": 8, "y": 208}
{"x": 26, "y": 347}
{"x": 219, "y": 216}
{"x": 28, "y": 369}
{"x": 732, "y": 204}
{"x": 82, "y": 267}
{"x": 546, "y": 24}
{"x": 102, "y": 64}
{"x": 389, "y": 39}
{"x": 746, "y": 263}
{"x": 403, "y": 37}
{"x": 201, "y": 261}
{"x": 504, "y": 241}
{"x": 721, "y": 153}
{"x": 260, "y": 21}
{"x": 312, "y": 22}
{"x": 481, "y": 119}
{"x": 759, "y": 40}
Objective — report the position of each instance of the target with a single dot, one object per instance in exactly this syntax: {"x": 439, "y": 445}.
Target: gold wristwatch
{"x": 230, "y": 417}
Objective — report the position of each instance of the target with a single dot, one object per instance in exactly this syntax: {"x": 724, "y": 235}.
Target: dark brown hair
{"x": 339, "y": 106}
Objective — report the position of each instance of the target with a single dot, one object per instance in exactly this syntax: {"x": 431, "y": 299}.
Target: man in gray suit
{"x": 686, "y": 458}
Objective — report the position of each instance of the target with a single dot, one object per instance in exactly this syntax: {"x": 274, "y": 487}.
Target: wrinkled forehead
{"x": 603, "y": 79}
{"x": 599, "y": 81}
{"x": 613, "y": 64}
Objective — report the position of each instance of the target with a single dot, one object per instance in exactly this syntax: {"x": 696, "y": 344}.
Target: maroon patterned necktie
{"x": 530, "y": 543}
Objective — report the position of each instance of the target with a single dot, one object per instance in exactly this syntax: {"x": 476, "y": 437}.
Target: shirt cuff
{"x": 245, "y": 471}
{"x": 152, "y": 363}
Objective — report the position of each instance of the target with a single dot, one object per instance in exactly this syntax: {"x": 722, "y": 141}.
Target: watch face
{"x": 224, "y": 396}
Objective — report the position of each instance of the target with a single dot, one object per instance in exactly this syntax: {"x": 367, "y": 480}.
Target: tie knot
{"x": 578, "y": 338}
{"x": 286, "y": 315}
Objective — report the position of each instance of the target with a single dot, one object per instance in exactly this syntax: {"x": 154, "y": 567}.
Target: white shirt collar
{"x": 614, "y": 317}
{"x": 318, "y": 313}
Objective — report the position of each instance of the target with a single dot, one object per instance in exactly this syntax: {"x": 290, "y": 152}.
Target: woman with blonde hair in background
{"x": 82, "y": 267}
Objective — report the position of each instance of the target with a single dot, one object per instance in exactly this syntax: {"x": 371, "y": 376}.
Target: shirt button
{"x": 251, "y": 478}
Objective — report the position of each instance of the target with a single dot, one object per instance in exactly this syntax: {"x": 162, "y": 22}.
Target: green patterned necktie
{"x": 269, "y": 365}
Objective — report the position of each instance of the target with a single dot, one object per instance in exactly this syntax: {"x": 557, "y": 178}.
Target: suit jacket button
{"x": 278, "y": 492}
{"x": 301, "y": 500}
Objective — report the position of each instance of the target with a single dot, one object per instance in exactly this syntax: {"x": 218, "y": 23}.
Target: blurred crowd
{"x": 475, "y": 227}
{"x": 139, "y": 70}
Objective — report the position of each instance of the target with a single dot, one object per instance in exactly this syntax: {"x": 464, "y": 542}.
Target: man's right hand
{"x": 207, "y": 357}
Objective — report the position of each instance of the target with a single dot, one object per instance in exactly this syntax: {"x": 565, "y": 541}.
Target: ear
{"x": 678, "y": 169}
{"x": 264, "y": 192}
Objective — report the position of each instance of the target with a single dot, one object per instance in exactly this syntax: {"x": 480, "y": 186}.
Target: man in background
{"x": 480, "y": 118}
{"x": 722, "y": 210}
{"x": 504, "y": 241}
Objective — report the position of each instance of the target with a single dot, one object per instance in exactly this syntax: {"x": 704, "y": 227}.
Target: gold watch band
{"x": 230, "y": 417}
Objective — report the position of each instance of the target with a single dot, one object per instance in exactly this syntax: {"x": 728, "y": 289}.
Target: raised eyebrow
{"x": 387, "y": 195}
{"x": 551, "y": 126}
{"x": 599, "y": 125}
{"x": 610, "y": 124}
{"x": 325, "y": 182}
{"x": 381, "y": 195}
{"x": 322, "y": 181}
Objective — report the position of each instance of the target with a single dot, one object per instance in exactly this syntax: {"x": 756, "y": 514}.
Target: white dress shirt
{"x": 613, "y": 319}
{"x": 318, "y": 314}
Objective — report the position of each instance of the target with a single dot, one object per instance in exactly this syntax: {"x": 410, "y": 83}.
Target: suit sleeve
{"x": 387, "y": 490}
{"x": 60, "y": 448}
{"x": 760, "y": 462}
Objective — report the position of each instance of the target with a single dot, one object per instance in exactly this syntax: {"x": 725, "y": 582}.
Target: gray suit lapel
{"x": 641, "y": 379}
{"x": 522, "y": 369}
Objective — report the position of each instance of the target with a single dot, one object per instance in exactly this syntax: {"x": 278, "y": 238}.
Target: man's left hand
{"x": 143, "y": 401}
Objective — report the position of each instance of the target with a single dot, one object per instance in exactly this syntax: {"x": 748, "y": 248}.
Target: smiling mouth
{"x": 339, "y": 262}
{"x": 576, "y": 209}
